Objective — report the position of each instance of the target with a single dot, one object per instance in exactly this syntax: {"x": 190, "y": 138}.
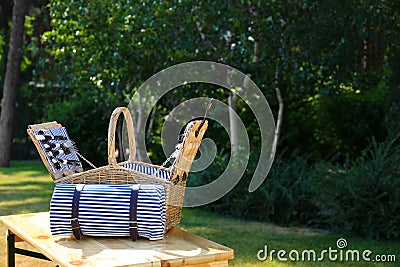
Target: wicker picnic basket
{"x": 131, "y": 171}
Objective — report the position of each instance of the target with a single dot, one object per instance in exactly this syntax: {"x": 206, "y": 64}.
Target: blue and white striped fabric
{"x": 62, "y": 157}
{"x": 104, "y": 210}
{"x": 149, "y": 170}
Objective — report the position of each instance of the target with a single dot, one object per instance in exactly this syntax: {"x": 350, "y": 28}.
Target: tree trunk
{"x": 280, "y": 101}
{"x": 11, "y": 79}
{"x": 233, "y": 123}
{"x": 280, "y": 113}
{"x": 232, "y": 99}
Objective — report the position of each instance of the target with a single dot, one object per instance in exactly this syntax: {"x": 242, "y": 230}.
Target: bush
{"x": 361, "y": 197}
{"x": 357, "y": 198}
{"x": 283, "y": 198}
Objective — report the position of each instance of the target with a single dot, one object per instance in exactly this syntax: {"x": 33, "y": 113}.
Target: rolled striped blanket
{"x": 104, "y": 210}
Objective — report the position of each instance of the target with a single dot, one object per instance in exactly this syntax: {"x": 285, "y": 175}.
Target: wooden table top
{"x": 178, "y": 248}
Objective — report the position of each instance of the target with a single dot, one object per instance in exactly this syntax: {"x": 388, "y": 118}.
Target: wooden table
{"x": 178, "y": 248}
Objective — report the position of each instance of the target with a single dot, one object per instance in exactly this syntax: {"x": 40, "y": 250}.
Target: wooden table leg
{"x": 10, "y": 249}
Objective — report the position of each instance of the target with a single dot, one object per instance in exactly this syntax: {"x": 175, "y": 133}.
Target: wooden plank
{"x": 192, "y": 249}
{"x": 45, "y": 125}
{"x": 178, "y": 248}
{"x": 211, "y": 264}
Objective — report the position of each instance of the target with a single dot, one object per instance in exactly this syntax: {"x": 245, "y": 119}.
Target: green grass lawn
{"x": 26, "y": 187}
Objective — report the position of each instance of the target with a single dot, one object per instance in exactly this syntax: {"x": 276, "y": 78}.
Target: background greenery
{"x": 338, "y": 63}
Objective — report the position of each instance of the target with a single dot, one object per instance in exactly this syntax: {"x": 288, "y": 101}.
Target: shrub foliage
{"x": 359, "y": 197}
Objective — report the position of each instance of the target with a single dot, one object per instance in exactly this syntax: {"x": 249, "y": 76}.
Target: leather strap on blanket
{"x": 76, "y": 230}
{"x": 133, "y": 226}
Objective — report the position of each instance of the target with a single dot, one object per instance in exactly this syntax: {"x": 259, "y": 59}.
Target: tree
{"x": 102, "y": 50}
{"x": 10, "y": 87}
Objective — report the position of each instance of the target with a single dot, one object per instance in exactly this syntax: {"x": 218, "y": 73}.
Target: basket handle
{"x": 112, "y": 160}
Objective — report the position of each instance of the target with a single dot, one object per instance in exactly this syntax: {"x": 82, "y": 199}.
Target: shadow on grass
{"x": 31, "y": 173}
{"x": 33, "y": 168}
{"x": 24, "y": 189}
{"x": 21, "y": 184}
